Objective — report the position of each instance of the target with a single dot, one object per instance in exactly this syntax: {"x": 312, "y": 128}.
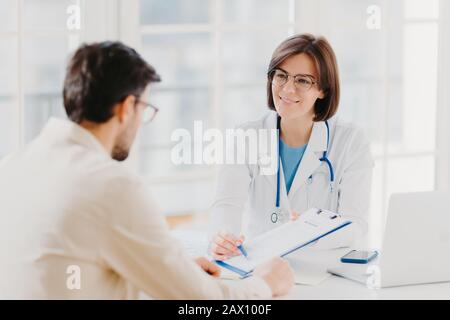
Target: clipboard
{"x": 311, "y": 226}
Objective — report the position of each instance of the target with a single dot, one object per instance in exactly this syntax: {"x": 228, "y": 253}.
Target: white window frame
{"x": 443, "y": 99}
{"x": 131, "y": 32}
{"x": 19, "y": 94}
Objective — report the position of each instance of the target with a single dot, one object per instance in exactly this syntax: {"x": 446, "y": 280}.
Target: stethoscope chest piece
{"x": 279, "y": 216}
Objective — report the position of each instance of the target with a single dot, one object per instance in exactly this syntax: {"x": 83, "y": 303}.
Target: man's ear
{"x": 125, "y": 109}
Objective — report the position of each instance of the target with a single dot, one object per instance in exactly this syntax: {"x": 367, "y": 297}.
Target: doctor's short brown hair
{"x": 320, "y": 51}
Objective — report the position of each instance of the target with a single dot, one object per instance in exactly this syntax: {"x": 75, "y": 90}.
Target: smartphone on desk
{"x": 359, "y": 256}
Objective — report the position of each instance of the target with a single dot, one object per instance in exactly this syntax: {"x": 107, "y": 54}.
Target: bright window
{"x": 34, "y": 44}
{"x": 213, "y": 57}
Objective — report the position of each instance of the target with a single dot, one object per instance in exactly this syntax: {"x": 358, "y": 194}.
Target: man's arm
{"x": 137, "y": 245}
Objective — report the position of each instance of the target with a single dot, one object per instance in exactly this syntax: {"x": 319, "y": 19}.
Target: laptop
{"x": 416, "y": 243}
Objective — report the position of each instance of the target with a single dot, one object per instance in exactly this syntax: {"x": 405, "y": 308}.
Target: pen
{"x": 241, "y": 248}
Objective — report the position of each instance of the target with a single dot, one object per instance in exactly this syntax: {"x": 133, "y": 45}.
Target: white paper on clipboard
{"x": 293, "y": 235}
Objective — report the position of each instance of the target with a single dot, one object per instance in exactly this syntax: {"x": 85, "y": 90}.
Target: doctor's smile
{"x": 288, "y": 101}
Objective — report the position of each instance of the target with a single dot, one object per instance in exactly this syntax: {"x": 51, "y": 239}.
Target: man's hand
{"x": 278, "y": 274}
{"x": 208, "y": 266}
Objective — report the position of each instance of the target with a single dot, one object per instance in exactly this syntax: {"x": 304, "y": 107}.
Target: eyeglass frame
{"x": 271, "y": 74}
{"x": 147, "y": 105}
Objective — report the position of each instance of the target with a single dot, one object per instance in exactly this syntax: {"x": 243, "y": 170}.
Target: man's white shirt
{"x": 75, "y": 223}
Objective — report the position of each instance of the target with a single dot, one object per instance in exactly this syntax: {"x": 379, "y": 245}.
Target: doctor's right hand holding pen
{"x": 225, "y": 245}
{"x": 276, "y": 272}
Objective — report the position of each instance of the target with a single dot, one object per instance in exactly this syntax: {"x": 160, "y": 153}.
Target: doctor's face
{"x": 295, "y": 88}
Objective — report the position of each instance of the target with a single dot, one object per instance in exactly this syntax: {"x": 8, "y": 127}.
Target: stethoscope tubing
{"x": 324, "y": 158}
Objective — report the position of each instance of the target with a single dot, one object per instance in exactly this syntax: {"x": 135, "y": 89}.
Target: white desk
{"x": 339, "y": 288}
{"x": 334, "y": 287}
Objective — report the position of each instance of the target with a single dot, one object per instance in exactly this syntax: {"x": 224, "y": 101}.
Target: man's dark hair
{"x": 99, "y": 76}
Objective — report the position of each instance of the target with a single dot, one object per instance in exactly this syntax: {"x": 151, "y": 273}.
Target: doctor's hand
{"x": 294, "y": 215}
{"x": 207, "y": 266}
{"x": 224, "y": 246}
{"x": 278, "y": 275}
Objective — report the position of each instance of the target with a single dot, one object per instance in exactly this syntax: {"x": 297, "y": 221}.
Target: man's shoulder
{"x": 113, "y": 175}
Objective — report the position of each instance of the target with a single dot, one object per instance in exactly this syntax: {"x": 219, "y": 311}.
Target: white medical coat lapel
{"x": 310, "y": 162}
{"x": 311, "y": 159}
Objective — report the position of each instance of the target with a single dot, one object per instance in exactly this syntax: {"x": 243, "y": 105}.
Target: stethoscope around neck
{"x": 275, "y": 216}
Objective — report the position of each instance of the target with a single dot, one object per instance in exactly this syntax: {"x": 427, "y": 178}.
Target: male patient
{"x": 75, "y": 224}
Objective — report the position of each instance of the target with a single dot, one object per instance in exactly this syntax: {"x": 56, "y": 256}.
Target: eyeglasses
{"x": 302, "y": 82}
{"x": 150, "y": 111}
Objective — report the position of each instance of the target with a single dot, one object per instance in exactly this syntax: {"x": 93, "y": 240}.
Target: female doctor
{"x": 323, "y": 162}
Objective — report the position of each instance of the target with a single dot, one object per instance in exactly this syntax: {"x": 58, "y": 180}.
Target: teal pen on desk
{"x": 244, "y": 253}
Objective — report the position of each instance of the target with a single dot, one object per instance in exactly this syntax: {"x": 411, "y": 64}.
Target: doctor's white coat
{"x": 242, "y": 188}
